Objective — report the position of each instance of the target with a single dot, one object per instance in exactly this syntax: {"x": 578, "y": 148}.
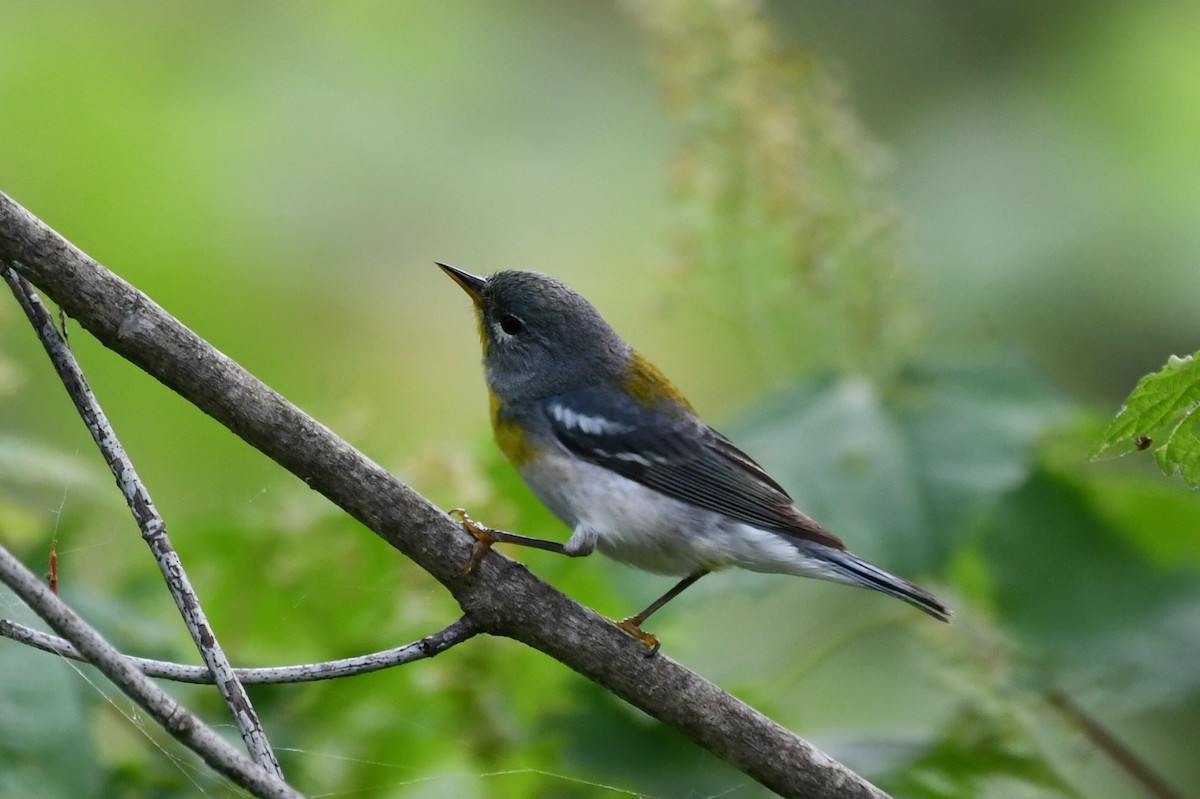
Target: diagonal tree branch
{"x": 149, "y": 521}
{"x": 174, "y": 717}
{"x": 427, "y": 647}
{"x": 501, "y": 596}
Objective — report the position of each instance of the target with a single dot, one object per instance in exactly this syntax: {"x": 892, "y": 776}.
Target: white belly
{"x": 651, "y": 531}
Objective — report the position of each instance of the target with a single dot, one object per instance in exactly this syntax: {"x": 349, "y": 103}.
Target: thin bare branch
{"x": 149, "y": 521}
{"x": 501, "y": 596}
{"x": 427, "y": 647}
{"x": 174, "y": 717}
{"x": 1137, "y": 769}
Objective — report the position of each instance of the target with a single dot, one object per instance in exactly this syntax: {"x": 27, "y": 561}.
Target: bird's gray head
{"x": 539, "y": 337}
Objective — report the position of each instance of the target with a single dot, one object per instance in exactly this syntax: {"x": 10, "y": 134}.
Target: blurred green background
{"x": 912, "y": 256}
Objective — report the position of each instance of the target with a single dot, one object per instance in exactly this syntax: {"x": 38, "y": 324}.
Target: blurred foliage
{"x": 776, "y": 193}
{"x": 262, "y": 174}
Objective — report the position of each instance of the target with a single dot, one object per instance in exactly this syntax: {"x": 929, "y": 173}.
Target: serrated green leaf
{"x": 1164, "y": 412}
{"x": 1180, "y": 454}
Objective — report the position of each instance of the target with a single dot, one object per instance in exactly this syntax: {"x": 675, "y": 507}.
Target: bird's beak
{"x": 472, "y": 284}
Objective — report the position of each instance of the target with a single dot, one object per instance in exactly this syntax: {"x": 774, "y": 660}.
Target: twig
{"x": 152, "y": 525}
{"x": 1137, "y": 769}
{"x": 174, "y": 717}
{"x": 461, "y": 630}
{"x": 52, "y": 571}
{"x": 500, "y": 595}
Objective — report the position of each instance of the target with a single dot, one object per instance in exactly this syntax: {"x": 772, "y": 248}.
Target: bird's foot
{"x": 483, "y": 535}
{"x": 632, "y": 626}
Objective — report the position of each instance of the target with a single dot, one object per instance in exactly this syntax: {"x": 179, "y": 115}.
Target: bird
{"x": 608, "y": 444}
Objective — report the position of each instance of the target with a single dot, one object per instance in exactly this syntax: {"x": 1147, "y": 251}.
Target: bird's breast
{"x": 631, "y": 523}
{"x": 511, "y": 437}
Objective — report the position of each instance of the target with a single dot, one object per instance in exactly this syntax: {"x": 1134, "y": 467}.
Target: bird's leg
{"x": 486, "y": 536}
{"x": 633, "y": 624}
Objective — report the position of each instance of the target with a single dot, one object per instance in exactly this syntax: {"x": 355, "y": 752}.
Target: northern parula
{"x": 617, "y": 453}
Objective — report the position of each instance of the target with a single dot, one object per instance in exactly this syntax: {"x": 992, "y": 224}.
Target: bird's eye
{"x": 512, "y": 325}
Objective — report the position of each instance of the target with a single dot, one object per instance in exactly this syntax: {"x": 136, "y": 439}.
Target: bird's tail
{"x": 854, "y": 570}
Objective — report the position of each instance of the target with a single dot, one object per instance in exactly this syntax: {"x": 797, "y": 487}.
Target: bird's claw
{"x": 651, "y": 642}
{"x": 484, "y": 538}
{"x": 482, "y": 534}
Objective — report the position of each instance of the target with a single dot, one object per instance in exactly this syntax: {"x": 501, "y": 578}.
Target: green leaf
{"x": 1085, "y": 602}
{"x": 44, "y": 741}
{"x": 901, "y": 472}
{"x": 983, "y": 754}
{"x": 1164, "y": 412}
{"x": 27, "y": 465}
{"x": 1155, "y": 516}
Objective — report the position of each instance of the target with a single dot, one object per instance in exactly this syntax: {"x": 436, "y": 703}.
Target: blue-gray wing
{"x": 676, "y": 454}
